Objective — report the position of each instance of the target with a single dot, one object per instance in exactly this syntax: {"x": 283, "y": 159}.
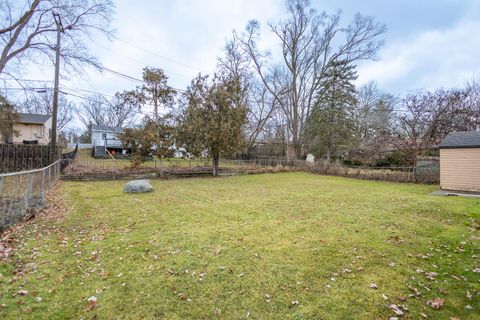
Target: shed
{"x": 460, "y": 161}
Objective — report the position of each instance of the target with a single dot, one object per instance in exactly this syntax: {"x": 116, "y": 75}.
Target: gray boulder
{"x": 138, "y": 186}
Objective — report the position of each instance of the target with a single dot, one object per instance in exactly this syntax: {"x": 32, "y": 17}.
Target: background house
{"x": 30, "y": 128}
{"x": 460, "y": 161}
{"x": 106, "y": 138}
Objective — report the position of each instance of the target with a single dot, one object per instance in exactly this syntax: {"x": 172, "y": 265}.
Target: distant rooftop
{"x": 33, "y": 118}
{"x": 97, "y": 127}
{"x": 461, "y": 139}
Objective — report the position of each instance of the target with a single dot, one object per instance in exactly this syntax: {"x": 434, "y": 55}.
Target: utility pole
{"x": 53, "y": 136}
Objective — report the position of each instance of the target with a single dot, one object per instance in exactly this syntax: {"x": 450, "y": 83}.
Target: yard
{"x": 272, "y": 246}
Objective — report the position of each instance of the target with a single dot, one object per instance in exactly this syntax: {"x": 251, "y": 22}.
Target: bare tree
{"x": 121, "y": 111}
{"x": 28, "y": 30}
{"x": 473, "y": 91}
{"x": 310, "y": 42}
{"x": 427, "y": 117}
{"x": 236, "y": 64}
{"x": 373, "y": 117}
{"x": 41, "y": 103}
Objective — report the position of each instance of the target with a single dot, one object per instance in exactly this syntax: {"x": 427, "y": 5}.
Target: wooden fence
{"x": 18, "y": 157}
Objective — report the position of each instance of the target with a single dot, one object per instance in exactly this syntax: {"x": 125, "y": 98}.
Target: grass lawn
{"x": 273, "y": 246}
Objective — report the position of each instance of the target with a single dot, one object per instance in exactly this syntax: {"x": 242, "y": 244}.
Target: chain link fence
{"x": 85, "y": 168}
{"x": 23, "y": 193}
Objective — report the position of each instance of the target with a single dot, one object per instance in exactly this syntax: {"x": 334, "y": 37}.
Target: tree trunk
{"x": 298, "y": 151}
{"x": 215, "y": 160}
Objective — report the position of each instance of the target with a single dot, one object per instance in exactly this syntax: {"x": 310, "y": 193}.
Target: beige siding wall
{"x": 38, "y": 132}
{"x": 460, "y": 169}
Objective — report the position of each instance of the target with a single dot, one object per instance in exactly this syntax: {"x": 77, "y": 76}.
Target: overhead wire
{"x": 169, "y": 72}
{"x": 157, "y": 55}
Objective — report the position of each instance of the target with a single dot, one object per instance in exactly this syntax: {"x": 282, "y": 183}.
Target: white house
{"x": 106, "y": 138}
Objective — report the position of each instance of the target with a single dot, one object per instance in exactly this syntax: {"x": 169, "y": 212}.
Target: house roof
{"x": 33, "y": 118}
{"x": 461, "y": 139}
{"x": 96, "y": 127}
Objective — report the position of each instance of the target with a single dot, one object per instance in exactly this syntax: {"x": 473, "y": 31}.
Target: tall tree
{"x": 8, "y": 115}
{"x": 155, "y": 90}
{"x": 28, "y": 31}
{"x": 235, "y": 63}
{"x": 309, "y": 42}
{"x": 212, "y": 118}
{"x": 330, "y": 125}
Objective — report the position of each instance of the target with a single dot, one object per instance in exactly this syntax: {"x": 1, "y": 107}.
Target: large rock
{"x": 138, "y": 186}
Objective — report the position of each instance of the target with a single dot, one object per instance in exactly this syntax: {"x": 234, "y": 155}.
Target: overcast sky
{"x": 429, "y": 43}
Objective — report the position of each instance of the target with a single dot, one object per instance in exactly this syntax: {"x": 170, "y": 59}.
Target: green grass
{"x": 246, "y": 247}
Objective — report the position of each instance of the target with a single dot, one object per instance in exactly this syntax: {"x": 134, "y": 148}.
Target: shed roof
{"x": 33, "y": 118}
{"x": 461, "y": 139}
{"x": 96, "y": 127}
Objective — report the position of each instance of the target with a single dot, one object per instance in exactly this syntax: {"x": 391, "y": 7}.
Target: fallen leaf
{"x": 92, "y": 303}
{"x": 373, "y": 286}
{"x": 396, "y": 309}
{"x": 182, "y": 296}
{"x": 436, "y": 303}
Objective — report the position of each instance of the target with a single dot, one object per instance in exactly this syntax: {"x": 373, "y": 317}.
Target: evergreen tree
{"x": 330, "y": 124}
{"x": 212, "y": 118}
{"x": 8, "y": 116}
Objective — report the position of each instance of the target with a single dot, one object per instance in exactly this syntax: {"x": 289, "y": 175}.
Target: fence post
{"x": 43, "y": 185}
{"x": 49, "y": 178}
{"x": 29, "y": 190}
{"x": 1, "y": 184}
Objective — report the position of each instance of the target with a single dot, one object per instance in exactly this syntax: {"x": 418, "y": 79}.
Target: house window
{"x": 104, "y": 136}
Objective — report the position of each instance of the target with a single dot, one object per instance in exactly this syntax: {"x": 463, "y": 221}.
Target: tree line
{"x": 301, "y": 98}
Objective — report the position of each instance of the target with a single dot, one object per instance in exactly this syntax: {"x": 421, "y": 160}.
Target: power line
{"x": 105, "y": 103}
{"x": 141, "y": 62}
{"x": 87, "y": 91}
{"x": 156, "y": 54}
{"x": 132, "y": 78}
{"x": 27, "y": 89}
{"x": 122, "y": 75}
{"x": 26, "y": 80}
